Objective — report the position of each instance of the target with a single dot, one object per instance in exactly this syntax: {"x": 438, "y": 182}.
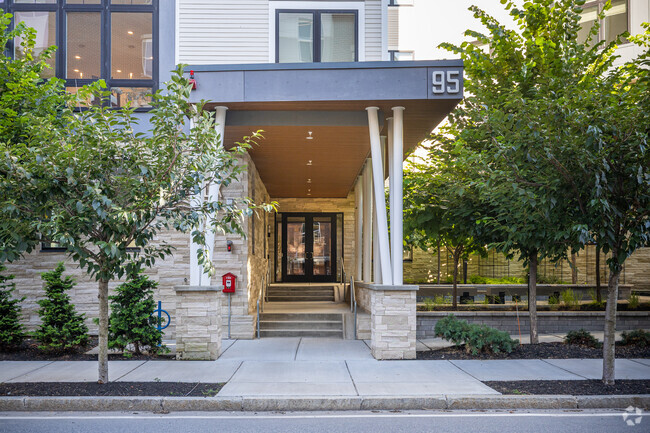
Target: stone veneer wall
{"x": 198, "y": 325}
{"x": 392, "y": 324}
{"x": 169, "y": 273}
{"x": 424, "y": 266}
{"x": 549, "y": 322}
{"x": 345, "y": 205}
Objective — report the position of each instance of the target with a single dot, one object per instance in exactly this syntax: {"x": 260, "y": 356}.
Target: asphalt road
{"x": 327, "y": 422}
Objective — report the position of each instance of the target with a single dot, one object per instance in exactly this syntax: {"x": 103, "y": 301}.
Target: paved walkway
{"x": 310, "y": 367}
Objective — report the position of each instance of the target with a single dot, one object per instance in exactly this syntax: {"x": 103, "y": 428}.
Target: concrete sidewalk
{"x": 318, "y": 367}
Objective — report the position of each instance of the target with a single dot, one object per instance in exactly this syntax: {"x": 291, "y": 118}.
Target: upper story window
{"x": 316, "y": 36}
{"x": 401, "y": 56}
{"x": 615, "y": 21}
{"x": 114, "y": 40}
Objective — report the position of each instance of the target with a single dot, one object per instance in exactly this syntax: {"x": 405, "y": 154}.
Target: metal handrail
{"x": 353, "y": 304}
{"x": 353, "y": 297}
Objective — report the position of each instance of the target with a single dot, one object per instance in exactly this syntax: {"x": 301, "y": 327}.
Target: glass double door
{"x": 309, "y": 247}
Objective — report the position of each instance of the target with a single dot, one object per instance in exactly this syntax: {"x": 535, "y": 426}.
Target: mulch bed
{"x": 538, "y": 351}
{"x": 571, "y": 387}
{"x": 92, "y": 389}
{"x": 645, "y": 306}
{"x": 29, "y": 351}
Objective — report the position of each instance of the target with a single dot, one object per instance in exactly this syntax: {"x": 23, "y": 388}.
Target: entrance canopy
{"x": 314, "y": 115}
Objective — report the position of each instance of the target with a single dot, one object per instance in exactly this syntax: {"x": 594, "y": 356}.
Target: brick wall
{"x": 549, "y": 322}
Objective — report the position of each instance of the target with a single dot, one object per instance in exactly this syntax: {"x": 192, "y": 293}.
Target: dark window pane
{"x": 296, "y": 37}
{"x": 338, "y": 38}
{"x": 131, "y": 46}
{"x": 34, "y": 1}
{"x": 131, "y": 2}
{"x": 83, "y": 45}
{"x": 45, "y": 25}
{"x": 138, "y": 97}
{"x": 83, "y": 103}
{"x": 83, "y": 2}
{"x": 615, "y": 21}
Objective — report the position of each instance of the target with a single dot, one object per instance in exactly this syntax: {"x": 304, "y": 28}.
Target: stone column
{"x": 392, "y": 320}
{"x": 198, "y": 322}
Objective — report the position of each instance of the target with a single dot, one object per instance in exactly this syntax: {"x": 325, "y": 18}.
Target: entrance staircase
{"x": 301, "y": 325}
{"x": 300, "y": 293}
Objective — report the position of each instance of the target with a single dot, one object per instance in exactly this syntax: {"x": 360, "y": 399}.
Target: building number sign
{"x": 445, "y": 82}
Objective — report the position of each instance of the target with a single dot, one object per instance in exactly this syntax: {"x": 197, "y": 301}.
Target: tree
{"x": 103, "y": 187}
{"x": 512, "y": 134}
{"x": 552, "y": 119}
{"x": 440, "y": 209}
{"x": 27, "y": 103}
{"x": 12, "y": 332}
{"x": 62, "y": 328}
{"x": 611, "y": 113}
{"x": 131, "y": 321}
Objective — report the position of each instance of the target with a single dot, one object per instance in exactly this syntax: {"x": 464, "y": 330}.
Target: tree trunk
{"x": 574, "y": 269}
{"x": 103, "y": 331}
{"x": 532, "y": 298}
{"x": 598, "y": 295}
{"x": 438, "y": 254}
{"x": 610, "y": 328}
{"x": 454, "y": 290}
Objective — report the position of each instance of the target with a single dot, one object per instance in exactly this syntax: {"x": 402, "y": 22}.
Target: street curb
{"x": 316, "y": 403}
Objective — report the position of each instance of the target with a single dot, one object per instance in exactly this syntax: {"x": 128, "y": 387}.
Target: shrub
{"x": 581, "y": 337}
{"x": 476, "y": 338}
{"x": 62, "y": 328}
{"x": 639, "y": 338}
{"x": 429, "y": 305}
{"x": 132, "y": 321}
{"x": 439, "y": 300}
{"x": 477, "y": 279}
{"x": 594, "y": 299}
{"x": 570, "y": 299}
{"x": 12, "y": 332}
{"x": 449, "y": 279}
{"x": 633, "y": 301}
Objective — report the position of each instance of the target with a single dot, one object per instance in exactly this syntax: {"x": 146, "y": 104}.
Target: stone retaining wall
{"x": 549, "y": 322}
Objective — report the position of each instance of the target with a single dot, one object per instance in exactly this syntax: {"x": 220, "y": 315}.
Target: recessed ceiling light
{"x": 309, "y": 137}
{"x": 77, "y": 57}
{"x": 309, "y": 180}
{"x": 119, "y": 70}
{"x": 76, "y": 70}
{"x": 309, "y": 162}
{"x": 130, "y": 32}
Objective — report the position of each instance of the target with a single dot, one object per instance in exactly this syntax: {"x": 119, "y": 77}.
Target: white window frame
{"x": 358, "y": 6}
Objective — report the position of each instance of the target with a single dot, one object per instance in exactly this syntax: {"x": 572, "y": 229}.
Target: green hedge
{"x": 476, "y": 338}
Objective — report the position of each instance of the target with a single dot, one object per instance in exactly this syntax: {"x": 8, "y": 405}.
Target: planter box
{"x": 548, "y": 322}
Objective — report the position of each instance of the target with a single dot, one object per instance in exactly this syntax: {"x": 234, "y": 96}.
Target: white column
{"x": 214, "y": 190}
{"x": 376, "y": 273}
{"x": 396, "y": 193}
{"x": 380, "y": 196}
{"x": 358, "y": 240}
{"x": 367, "y": 222}
{"x": 197, "y": 276}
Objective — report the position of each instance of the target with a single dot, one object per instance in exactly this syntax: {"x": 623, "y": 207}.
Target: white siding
{"x": 393, "y": 28}
{"x": 373, "y": 30}
{"x": 223, "y": 31}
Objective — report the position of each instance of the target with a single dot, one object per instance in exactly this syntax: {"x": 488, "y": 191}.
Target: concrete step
{"x": 301, "y": 325}
{"x": 298, "y": 292}
{"x": 300, "y": 333}
{"x": 312, "y": 326}
{"x": 301, "y": 317}
{"x": 300, "y": 298}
